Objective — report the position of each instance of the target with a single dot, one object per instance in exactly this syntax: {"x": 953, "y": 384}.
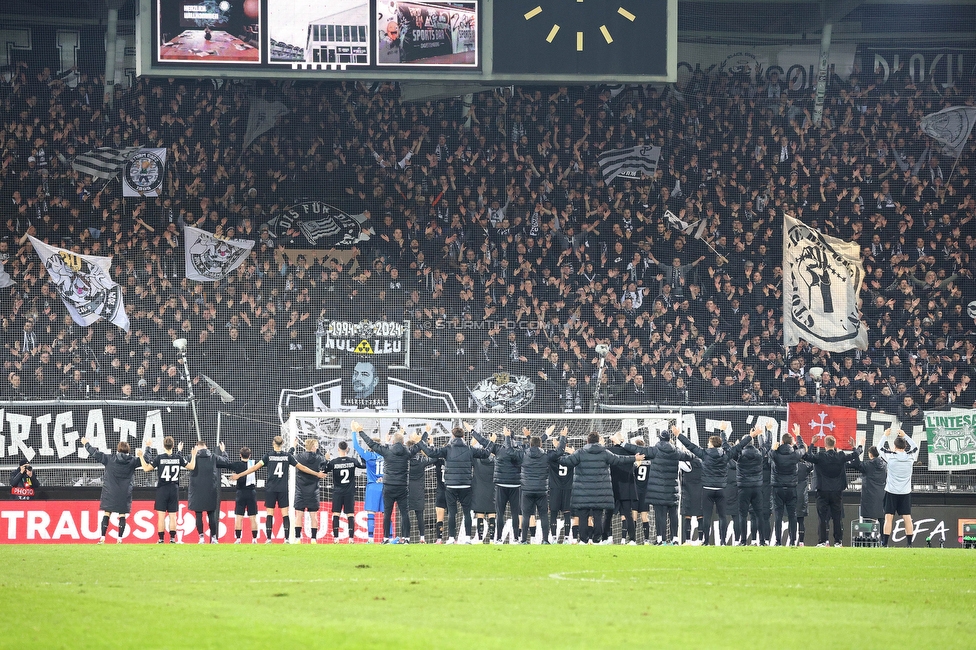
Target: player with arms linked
{"x": 168, "y": 464}
{"x": 343, "y": 468}
{"x": 276, "y": 485}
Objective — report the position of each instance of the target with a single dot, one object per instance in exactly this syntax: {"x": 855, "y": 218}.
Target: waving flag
{"x": 84, "y": 284}
{"x": 817, "y": 421}
{"x": 697, "y": 229}
{"x": 262, "y": 118}
{"x": 209, "y": 258}
{"x": 642, "y": 158}
{"x": 821, "y": 280}
{"x": 104, "y": 162}
{"x": 950, "y": 127}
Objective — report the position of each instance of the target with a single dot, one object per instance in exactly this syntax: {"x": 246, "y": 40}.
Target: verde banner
{"x": 952, "y": 439}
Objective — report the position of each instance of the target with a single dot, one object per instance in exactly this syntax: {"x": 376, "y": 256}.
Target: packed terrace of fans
{"x": 497, "y": 213}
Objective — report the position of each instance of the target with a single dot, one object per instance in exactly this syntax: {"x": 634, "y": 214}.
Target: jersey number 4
{"x": 279, "y": 470}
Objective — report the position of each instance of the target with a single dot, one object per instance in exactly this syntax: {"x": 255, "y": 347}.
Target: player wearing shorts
{"x": 641, "y": 473}
{"x": 624, "y": 494}
{"x": 440, "y": 501}
{"x": 343, "y": 469}
{"x": 308, "y": 490}
{"x": 898, "y": 486}
{"x": 168, "y": 464}
{"x": 276, "y": 485}
{"x": 245, "y": 499}
{"x": 417, "y": 490}
{"x": 375, "y": 467}
{"x": 561, "y": 499}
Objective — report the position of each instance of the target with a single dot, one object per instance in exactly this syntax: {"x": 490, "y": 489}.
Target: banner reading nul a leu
{"x": 952, "y": 439}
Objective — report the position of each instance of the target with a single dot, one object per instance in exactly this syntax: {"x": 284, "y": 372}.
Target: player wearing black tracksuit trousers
{"x": 459, "y": 459}
{"x": 507, "y": 479}
{"x": 535, "y": 484}
{"x": 715, "y": 467}
{"x": 749, "y": 479}
{"x": 783, "y": 462}
{"x": 662, "y": 483}
{"x": 831, "y": 478}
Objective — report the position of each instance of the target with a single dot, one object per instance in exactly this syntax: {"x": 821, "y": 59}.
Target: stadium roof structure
{"x": 719, "y": 21}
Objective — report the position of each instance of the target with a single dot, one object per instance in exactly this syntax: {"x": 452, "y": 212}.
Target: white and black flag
{"x": 104, "y": 162}
{"x": 951, "y": 128}
{"x": 145, "y": 170}
{"x": 696, "y": 229}
{"x": 631, "y": 161}
{"x": 262, "y": 118}
{"x": 85, "y": 285}
{"x": 209, "y": 258}
{"x": 821, "y": 279}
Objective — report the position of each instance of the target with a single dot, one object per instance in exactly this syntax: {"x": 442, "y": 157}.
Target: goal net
{"x": 329, "y": 428}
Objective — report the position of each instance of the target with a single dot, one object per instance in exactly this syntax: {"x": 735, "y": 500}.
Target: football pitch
{"x": 512, "y": 597}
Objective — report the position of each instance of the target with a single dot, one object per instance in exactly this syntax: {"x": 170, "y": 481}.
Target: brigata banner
{"x": 79, "y": 522}
{"x": 952, "y": 439}
{"x": 50, "y": 432}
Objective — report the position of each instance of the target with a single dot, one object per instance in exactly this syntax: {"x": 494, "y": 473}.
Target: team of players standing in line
{"x": 488, "y": 476}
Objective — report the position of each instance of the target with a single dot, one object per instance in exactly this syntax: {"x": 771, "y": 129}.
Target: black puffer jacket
{"x": 715, "y": 462}
{"x": 591, "y": 478}
{"x": 117, "y": 481}
{"x": 830, "y": 464}
{"x": 313, "y": 460}
{"x": 662, "y": 479}
{"x": 507, "y": 471}
{"x": 535, "y": 467}
{"x": 417, "y": 492}
{"x": 622, "y": 478}
{"x": 875, "y": 472}
{"x": 396, "y": 458}
{"x": 458, "y": 460}
{"x": 783, "y": 462}
{"x": 204, "y": 483}
{"x": 749, "y": 460}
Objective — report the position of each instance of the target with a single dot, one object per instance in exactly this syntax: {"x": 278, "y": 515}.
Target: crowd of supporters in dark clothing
{"x": 495, "y": 234}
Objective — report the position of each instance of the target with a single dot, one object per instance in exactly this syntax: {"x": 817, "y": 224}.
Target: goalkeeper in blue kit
{"x": 374, "y": 485}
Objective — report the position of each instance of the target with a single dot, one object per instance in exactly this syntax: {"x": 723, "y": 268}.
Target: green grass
{"x": 508, "y": 597}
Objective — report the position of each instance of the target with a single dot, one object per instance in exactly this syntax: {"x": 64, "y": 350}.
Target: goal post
{"x": 331, "y": 427}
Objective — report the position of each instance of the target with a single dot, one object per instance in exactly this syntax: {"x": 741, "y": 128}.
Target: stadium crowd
{"x": 495, "y": 234}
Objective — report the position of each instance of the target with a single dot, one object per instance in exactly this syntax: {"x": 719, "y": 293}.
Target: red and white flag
{"x": 817, "y": 421}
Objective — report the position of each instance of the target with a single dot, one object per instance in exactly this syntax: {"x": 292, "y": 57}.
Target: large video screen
{"x": 309, "y": 33}
{"x": 441, "y": 34}
{"x": 427, "y": 41}
{"x": 209, "y": 31}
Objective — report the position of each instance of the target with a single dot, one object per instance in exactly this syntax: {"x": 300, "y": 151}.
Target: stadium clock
{"x": 580, "y": 36}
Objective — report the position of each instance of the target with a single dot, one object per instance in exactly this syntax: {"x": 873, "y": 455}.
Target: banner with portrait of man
{"x": 364, "y": 381}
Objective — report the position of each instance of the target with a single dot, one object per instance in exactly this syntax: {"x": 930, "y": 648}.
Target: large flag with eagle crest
{"x": 84, "y": 284}
{"x": 210, "y": 258}
{"x": 821, "y": 280}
